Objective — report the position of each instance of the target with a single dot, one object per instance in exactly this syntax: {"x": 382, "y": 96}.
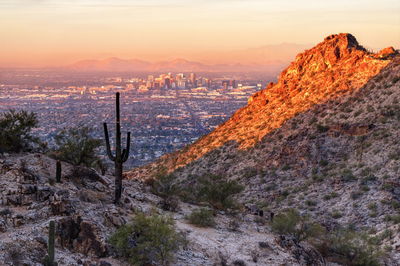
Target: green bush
{"x": 165, "y": 186}
{"x": 348, "y": 176}
{"x": 218, "y": 191}
{"x": 336, "y": 214}
{"x": 293, "y": 224}
{"x": 15, "y": 134}
{"x": 168, "y": 189}
{"x": 148, "y": 240}
{"x": 76, "y": 146}
{"x": 348, "y": 247}
{"x": 202, "y": 217}
{"x": 322, "y": 128}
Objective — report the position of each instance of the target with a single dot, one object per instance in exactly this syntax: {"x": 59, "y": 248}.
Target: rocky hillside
{"x": 323, "y": 140}
{"x": 333, "y": 68}
{"x": 85, "y": 217}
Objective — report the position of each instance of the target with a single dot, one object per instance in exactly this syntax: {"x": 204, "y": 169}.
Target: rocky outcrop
{"x": 80, "y": 207}
{"x": 80, "y": 236}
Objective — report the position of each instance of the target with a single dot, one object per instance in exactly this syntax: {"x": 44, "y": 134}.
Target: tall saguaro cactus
{"x": 120, "y": 155}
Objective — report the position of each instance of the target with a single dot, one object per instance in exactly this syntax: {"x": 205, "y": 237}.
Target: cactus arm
{"x": 109, "y": 153}
{"x": 125, "y": 153}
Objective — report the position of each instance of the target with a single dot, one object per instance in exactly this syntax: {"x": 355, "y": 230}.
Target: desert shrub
{"x": 324, "y": 163}
{"x": 393, "y": 218}
{"x": 148, "y": 240}
{"x": 202, "y": 217}
{"x": 170, "y": 204}
{"x": 165, "y": 186}
{"x": 347, "y": 175}
{"x": 218, "y": 191}
{"x": 348, "y": 247}
{"x": 82, "y": 176}
{"x": 356, "y": 194}
{"x": 76, "y": 146}
{"x": 291, "y": 223}
{"x": 372, "y": 206}
{"x": 330, "y": 195}
{"x": 15, "y": 134}
{"x": 336, "y": 214}
{"x": 311, "y": 203}
{"x": 322, "y": 128}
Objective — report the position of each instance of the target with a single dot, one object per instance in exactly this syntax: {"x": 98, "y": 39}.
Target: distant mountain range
{"x": 176, "y": 65}
{"x": 270, "y": 59}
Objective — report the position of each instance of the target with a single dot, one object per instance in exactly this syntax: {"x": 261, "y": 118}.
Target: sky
{"x": 38, "y": 33}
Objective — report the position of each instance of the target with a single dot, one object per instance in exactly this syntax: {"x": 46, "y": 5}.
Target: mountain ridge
{"x": 323, "y": 141}
{"x": 175, "y": 65}
{"x": 330, "y": 69}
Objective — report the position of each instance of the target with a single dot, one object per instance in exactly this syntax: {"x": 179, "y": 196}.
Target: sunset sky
{"x": 59, "y": 32}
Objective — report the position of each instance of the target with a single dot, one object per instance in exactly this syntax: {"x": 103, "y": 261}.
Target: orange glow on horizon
{"x": 57, "y": 33}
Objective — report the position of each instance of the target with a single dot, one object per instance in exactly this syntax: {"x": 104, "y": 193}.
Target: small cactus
{"x": 58, "y": 172}
{"x": 49, "y": 259}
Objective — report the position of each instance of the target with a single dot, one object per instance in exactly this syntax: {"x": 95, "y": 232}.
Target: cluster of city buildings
{"x": 164, "y": 113}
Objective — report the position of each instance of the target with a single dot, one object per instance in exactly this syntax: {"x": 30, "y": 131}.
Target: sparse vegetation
{"x": 330, "y": 196}
{"x": 202, "y": 218}
{"x": 76, "y": 146}
{"x": 148, "y": 240}
{"x": 15, "y": 134}
{"x": 347, "y": 175}
{"x": 336, "y": 214}
{"x": 292, "y": 223}
{"x": 218, "y": 191}
{"x": 348, "y": 247}
{"x": 322, "y": 128}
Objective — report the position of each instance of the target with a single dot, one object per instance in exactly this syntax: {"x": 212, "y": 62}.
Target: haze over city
{"x": 57, "y": 33}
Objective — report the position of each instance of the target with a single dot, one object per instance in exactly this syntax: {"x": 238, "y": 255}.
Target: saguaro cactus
{"x": 58, "y": 172}
{"x": 120, "y": 155}
{"x": 49, "y": 259}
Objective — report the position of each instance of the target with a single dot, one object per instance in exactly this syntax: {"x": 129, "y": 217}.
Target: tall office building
{"x": 192, "y": 78}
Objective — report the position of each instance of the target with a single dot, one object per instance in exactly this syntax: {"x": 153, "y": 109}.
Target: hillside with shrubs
{"x": 321, "y": 143}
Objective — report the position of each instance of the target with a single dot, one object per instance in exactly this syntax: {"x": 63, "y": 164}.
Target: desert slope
{"x": 324, "y": 140}
{"x": 334, "y": 67}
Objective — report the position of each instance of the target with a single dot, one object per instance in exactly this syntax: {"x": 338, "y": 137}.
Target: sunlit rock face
{"x": 332, "y": 68}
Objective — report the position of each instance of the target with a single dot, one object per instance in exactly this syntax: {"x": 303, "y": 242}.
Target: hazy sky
{"x": 56, "y": 32}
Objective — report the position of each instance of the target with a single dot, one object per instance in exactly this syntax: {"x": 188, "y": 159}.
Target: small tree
{"x": 218, "y": 191}
{"x": 148, "y": 240}
{"x": 15, "y": 133}
{"x": 349, "y": 247}
{"x": 76, "y": 146}
{"x": 293, "y": 224}
{"x": 202, "y": 218}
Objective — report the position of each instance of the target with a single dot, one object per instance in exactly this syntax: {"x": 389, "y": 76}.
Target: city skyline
{"x": 57, "y": 33}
